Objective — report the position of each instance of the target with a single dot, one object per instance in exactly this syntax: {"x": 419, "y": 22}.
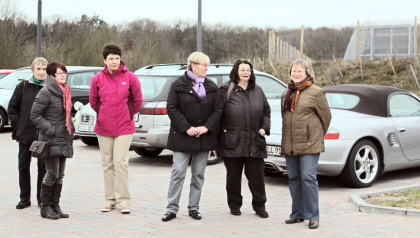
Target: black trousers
{"x": 55, "y": 170}
{"x": 254, "y": 172}
{"x": 25, "y": 172}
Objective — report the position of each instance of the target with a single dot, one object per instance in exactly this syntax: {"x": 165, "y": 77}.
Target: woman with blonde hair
{"x": 25, "y": 131}
{"x": 306, "y": 118}
{"x": 194, "y": 108}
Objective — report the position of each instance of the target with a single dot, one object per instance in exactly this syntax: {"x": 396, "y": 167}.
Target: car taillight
{"x": 332, "y": 134}
{"x": 154, "y": 108}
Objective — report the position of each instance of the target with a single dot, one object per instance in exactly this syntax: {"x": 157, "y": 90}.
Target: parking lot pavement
{"x": 83, "y": 194}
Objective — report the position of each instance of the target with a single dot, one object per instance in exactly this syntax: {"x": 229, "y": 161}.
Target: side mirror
{"x": 78, "y": 106}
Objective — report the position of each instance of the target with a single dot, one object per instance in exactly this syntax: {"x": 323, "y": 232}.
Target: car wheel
{"x": 362, "y": 166}
{"x": 89, "y": 140}
{"x": 213, "y": 159}
{"x": 2, "y": 119}
{"x": 148, "y": 152}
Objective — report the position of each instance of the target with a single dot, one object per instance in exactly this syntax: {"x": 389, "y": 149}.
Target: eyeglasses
{"x": 203, "y": 65}
{"x": 245, "y": 70}
{"x": 62, "y": 73}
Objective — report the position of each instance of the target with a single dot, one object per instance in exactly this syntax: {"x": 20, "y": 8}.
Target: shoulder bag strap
{"x": 229, "y": 91}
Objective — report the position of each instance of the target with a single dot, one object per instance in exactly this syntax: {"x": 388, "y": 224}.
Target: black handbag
{"x": 39, "y": 148}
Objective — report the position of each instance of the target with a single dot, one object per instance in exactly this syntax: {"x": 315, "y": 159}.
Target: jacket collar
{"x": 187, "y": 83}
{"x": 121, "y": 69}
{"x": 32, "y": 82}
{"x": 52, "y": 85}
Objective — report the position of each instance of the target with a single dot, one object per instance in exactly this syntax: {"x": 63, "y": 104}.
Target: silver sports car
{"x": 374, "y": 129}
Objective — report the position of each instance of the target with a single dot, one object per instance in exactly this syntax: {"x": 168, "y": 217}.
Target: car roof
{"x": 179, "y": 69}
{"x": 69, "y": 68}
{"x": 5, "y": 71}
{"x": 373, "y": 98}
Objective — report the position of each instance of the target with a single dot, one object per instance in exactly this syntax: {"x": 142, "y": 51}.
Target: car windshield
{"x": 153, "y": 87}
{"x": 11, "y": 80}
{"x": 342, "y": 100}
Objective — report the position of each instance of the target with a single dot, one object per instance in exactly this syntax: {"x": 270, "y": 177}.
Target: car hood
{"x": 6, "y": 92}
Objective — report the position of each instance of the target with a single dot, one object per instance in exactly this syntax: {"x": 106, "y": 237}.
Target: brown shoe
{"x": 293, "y": 220}
{"x": 262, "y": 213}
{"x": 313, "y": 224}
{"x": 235, "y": 212}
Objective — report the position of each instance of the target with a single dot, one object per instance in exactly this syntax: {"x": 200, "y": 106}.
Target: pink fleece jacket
{"x": 108, "y": 96}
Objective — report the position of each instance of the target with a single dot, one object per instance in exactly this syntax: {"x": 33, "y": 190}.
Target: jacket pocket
{"x": 230, "y": 137}
{"x": 260, "y": 142}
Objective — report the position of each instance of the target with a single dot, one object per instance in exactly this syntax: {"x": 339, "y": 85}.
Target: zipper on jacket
{"x": 308, "y": 134}
{"x": 291, "y": 132}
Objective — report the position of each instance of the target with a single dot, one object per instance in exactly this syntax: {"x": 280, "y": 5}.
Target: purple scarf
{"x": 198, "y": 87}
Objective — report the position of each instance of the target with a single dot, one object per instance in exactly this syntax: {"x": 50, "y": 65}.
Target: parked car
{"x": 5, "y": 72}
{"x": 78, "y": 78}
{"x": 152, "y": 122}
{"x": 374, "y": 129}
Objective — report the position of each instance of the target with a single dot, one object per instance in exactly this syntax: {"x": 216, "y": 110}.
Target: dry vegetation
{"x": 145, "y": 42}
{"x": 410, "y": 199}
{"x": 374, "y": 72}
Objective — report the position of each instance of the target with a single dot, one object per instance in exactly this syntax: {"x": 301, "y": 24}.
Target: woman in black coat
{"x": 25, "y": 131}
{"x": 195, "y": 109}
{"x": 245, "y": 122}
{"x": 51, "y": 115}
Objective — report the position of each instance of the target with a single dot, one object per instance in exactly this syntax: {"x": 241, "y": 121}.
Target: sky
{"x": 258, "y": 13}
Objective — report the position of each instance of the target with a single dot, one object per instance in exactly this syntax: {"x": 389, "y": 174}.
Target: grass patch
{"x": 410, "y": 199}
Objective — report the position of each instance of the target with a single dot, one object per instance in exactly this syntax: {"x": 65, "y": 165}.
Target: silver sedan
{"x": 374, "y": 129}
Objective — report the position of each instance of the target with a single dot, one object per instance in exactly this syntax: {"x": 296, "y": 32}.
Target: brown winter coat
{"x": 304, "y": 129}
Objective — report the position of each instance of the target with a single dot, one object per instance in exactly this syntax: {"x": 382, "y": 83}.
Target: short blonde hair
{"x": 196, "y": 58}
{"x": 305, "y": 64}
{"x": 38, "y": 60}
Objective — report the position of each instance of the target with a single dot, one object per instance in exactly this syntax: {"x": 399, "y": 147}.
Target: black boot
{"x": 46, "y": 210}
{"x": 56, "y": 199}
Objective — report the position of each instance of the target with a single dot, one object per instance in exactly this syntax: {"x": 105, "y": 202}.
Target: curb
{"x": 362, "y": 206}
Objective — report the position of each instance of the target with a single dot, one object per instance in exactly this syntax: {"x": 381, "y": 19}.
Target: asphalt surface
{"x": 83, "y": 192}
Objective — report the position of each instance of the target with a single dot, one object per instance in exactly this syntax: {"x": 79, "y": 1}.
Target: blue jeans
{"x": 303, "y": 186}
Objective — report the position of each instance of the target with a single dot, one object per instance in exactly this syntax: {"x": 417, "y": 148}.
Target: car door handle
{"x": 401, "y": 129}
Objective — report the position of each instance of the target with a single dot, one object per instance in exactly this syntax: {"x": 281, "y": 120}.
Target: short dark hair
{"x": 53, "y": 66}
{"x": 111, "y": 49}
{"x": 234, "y": 75}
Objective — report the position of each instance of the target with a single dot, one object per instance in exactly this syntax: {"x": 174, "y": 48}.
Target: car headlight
{"x": 78, "y": 106}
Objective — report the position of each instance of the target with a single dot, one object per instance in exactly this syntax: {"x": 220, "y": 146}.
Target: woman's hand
{"x": 261, "y": 132}
{"x": 193, "y": 131}
{"x": 201, "y": 130}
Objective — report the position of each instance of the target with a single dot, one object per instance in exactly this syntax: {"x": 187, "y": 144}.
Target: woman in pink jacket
{"x": 115, "y": 95}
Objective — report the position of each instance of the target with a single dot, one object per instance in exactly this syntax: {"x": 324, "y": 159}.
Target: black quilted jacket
{"x": 46, "y": 112}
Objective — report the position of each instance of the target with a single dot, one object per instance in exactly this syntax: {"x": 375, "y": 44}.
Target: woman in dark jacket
{"x": 195, "y": 109}
{"x": 306, "y": 118}
{"x": 25, "y": 131}
{"x": 51, "y": 115}
{"x": 245, "y": 122}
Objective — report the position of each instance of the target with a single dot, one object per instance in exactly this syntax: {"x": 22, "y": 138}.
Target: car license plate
{"x": 273, "y": 150}
{"x": 85, "y": 128}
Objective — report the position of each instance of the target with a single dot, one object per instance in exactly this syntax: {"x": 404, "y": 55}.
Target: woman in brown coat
{"x": 306, "y": 117}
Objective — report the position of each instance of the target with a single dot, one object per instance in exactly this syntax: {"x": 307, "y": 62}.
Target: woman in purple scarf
{"x": 195, "y": 109}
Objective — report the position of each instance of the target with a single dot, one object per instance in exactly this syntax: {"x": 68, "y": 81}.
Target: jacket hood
{"x": 32, "y": 81}
{"x": 121, "y": 69}
{"x": 52, "y": 85}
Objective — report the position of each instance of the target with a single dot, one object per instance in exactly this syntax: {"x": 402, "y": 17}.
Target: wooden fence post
{"x": 301, "y": 42}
